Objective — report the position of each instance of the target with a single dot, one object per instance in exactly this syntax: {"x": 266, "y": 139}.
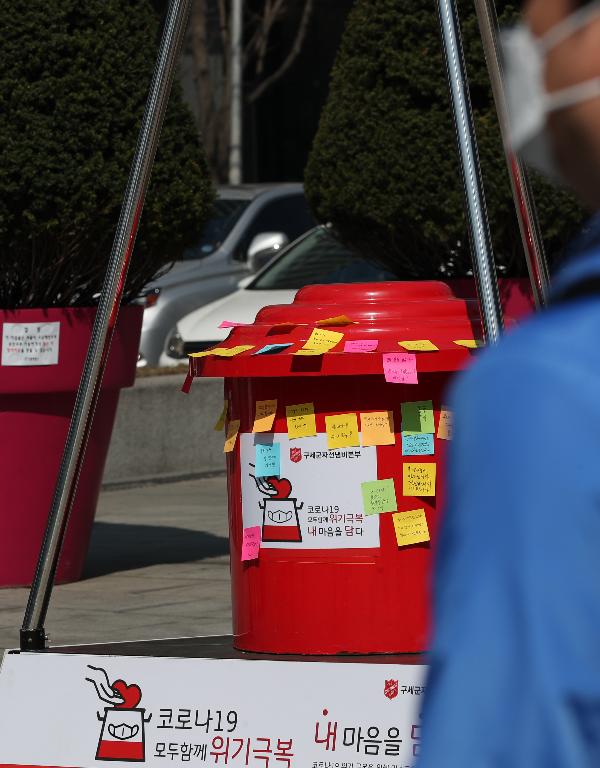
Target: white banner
{"x": 62, "y": 710}
{"x": 316, "y": 503}
{"x": 30, "y": 343}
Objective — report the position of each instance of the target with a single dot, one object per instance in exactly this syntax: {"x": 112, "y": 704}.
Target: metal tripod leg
{"x": 33, "y": 635}
{"x": 481, "y": 244}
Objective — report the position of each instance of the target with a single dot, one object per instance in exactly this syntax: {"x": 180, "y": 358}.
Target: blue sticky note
{"x": 271, "y": 349}
{"x": 267, "y": 460}
{"x": 417, "y": 444}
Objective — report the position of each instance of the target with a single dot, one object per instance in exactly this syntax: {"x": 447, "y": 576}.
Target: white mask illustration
{"x": 528, "y": 101}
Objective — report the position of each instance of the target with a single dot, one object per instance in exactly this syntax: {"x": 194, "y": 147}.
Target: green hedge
{"x": 73, "y": 84}
{"x": 384, "y": 165}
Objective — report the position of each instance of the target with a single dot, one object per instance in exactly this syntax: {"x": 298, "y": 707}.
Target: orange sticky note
{"x": 337, "y": 320}
{"x": 342, "y": 430}
{"x": 264, "y": 415}
{"x": 418, "y": 479}
{"x": 470, "y": 343}
{"x": 445, "y": 424}
{"x": 301, "y": 420}
{"x": 419, "y": 345}
{"x": 377, "y": 428}
{"x": 221, "y": 420}
{"x": 232, "y": 432}
{"x": 411, "y": 527}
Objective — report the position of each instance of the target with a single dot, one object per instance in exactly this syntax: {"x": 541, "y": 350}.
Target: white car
{"x": 316, "y": 257}
{"x": 250, "y": 224}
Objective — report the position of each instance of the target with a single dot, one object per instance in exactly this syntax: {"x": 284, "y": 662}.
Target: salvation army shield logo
{"x": 390, "y": 689}
{"x": 295, "y": 455}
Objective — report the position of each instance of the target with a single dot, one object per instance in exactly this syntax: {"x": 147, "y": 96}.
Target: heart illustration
{"x": 131, "y": 694}
{"x": 282, "y": 486}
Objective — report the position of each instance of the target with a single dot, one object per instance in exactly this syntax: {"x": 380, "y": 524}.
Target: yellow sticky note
{"x": 337, "y": 320}
{"x": 206, "y": 352}
{"x": 309, "y": 352}
{"x": 411, "y": 527}
{"x": 232, "y": 432}
{"x": 342, "y": 430}
{"x": 419, "y": 345}
{"x": 377, "y": 428}
{"x": 232, "y": 351}
{"x": 221, "y": 420}
{"x": 445, "y": 425}
{"x": 418, "y": 479}
{"x": 264, "y": 415}
{"x": 321, "y": 339}
{"x": 301, "y": 420}
{"x": 470, "y": 343}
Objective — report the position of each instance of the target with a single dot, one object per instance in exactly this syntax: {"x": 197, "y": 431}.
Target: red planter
{"x": 36, "y": 404}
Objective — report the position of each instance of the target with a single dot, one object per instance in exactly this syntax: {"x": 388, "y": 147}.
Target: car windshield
{"x": 320, "y": 258}
{"x": 226, "y": 213}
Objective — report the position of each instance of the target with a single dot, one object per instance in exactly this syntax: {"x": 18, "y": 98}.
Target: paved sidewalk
{"x": 158, "y": 566}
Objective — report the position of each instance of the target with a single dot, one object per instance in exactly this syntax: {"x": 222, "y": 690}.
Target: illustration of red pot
{"x": 280, "y": 512}
{"x": 122, "y": 734}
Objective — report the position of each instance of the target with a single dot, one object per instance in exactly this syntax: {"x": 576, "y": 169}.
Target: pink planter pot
{"x": 36, "y": 403}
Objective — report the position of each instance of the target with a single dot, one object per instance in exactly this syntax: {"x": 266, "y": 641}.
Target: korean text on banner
{"x": 313, "y": 493}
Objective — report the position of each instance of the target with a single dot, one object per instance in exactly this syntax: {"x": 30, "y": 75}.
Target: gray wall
{"x": 160, "y": 433}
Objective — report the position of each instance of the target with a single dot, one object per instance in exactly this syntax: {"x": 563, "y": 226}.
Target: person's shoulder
{"x": 555, "y": 349}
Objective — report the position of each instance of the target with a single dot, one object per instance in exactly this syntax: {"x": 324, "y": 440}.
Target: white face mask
{"x": 529, "y": 104}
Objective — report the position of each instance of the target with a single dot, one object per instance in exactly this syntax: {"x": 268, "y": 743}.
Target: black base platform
{"x": 220, "y": 647}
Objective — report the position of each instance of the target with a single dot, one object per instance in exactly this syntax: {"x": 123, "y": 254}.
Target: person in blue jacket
{"x": 514, "y": 677}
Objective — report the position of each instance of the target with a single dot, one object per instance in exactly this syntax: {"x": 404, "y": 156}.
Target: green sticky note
{"x": 379, "y": 496}
{"x": 418, "y": 416}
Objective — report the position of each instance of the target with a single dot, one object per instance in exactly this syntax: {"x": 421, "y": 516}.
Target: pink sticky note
{"x": 251, "y": 543}
{"x": 361, "y": 345}
{"x": 400, "y": 368}
{"x": 229, "y": 324}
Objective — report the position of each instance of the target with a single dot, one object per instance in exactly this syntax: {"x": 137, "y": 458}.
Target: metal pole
{"x": 533, "y": 245}
{"x": 481, "y": 244}
{"x": 33, "y": 635}
{"x": 235, "y": 135}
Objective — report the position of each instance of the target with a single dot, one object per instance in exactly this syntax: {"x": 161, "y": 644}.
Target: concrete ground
{"x": 158, "y": 566}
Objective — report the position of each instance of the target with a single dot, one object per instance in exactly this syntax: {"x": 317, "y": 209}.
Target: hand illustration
{"x": 105, "y": 692}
